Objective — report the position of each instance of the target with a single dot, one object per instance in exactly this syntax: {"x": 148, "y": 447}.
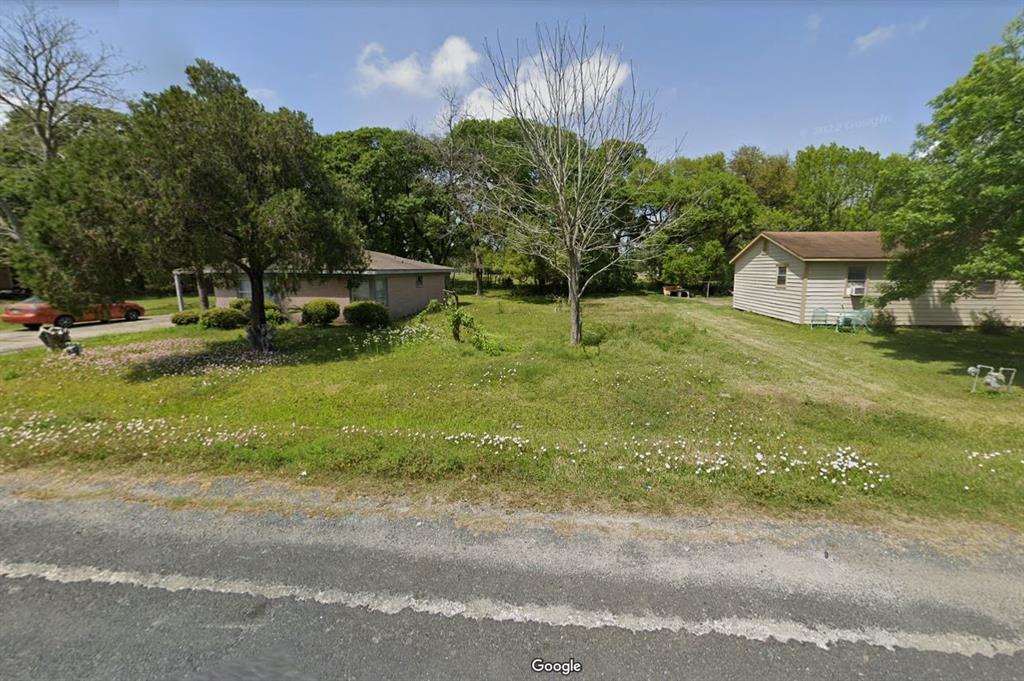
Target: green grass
{"x": 158, "y": 305}
{"x": 699, "y": 387}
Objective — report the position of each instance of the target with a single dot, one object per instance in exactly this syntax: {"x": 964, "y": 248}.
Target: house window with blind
{"x": 780, "y": 275}
{"x": 371, "y": 288}
{"x": 985, "y": 289}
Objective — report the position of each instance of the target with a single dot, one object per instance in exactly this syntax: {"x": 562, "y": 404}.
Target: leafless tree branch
{"x": 581, "y": 121}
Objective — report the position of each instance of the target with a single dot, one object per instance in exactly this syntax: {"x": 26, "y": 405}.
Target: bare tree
{"x": 45, "y": 77}
{"x": 455, "y": 171}
{"x": 582, "y": 121}
{"x": 45, "y": 74}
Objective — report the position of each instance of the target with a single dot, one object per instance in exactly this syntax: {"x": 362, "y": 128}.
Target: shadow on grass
{"x": 293, "y": 346}
{"x": 961, "y": 347}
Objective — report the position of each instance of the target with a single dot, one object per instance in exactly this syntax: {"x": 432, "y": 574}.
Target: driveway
{"x": 119, "y": 579}
{"x": 24, "y": 339}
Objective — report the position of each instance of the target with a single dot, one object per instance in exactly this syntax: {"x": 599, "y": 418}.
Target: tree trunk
{"x": 575, "y": 313}
{"x": 259, "y": 333}
{"x": 478, "y": 272}
{"x": 204, "y": 293}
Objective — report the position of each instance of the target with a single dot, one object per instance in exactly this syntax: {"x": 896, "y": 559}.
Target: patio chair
{"x": 862, "y": 318}
{"x": 819, "y": 317}
{"x": 853, "y": 321}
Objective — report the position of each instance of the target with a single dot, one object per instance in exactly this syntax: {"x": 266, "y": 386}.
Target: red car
{"x": 33, "y": 313}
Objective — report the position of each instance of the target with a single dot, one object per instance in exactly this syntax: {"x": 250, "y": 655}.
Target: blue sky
{"x": 781, "y": 75}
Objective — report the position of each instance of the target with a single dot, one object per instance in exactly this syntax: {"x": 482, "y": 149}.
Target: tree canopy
{"x": 956, "y": 210}
{"x": 231, "y": 186}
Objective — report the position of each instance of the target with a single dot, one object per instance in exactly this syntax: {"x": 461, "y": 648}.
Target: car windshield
{"x": 33, "y": 300}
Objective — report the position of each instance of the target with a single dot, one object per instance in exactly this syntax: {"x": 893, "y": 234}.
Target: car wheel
{"x": 131, "y": 315}
{"x": 65, "y": 321}
{"x": 32, "y": 327}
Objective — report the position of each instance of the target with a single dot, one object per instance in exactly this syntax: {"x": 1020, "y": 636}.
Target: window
{"x": 371, "y": 288}
{"x": 985, "y": 289}
{"x": 856, "y": 280}
{"x": 419, "y": 281}
{"x": 780, "y": 276}
{"x": 245, "y": 288}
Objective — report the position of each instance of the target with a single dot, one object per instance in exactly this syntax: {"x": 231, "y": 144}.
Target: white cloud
{"x": 449, "y": 65}
{"x": 480, "y": 103}
{"x": 599, "y": 72}
{"x": 265, "y": 96}
{"x": 812, "y": 24}
{"x": 879, "y": 35}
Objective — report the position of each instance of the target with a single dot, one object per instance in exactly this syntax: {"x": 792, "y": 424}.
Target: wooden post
{"x": 177, "y": 292}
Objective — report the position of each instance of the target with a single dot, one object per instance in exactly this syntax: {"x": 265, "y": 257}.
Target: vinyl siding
{"x": 754, "y": 287}
{"x": 826, "y": 287}
{"x": 930, "y": 310}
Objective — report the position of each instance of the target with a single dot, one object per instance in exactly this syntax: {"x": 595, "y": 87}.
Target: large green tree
{"x": 390, "y": 174}
{"x": 956, "y": 210}
{"x": 835, "y": 187}
{"x": 229, "y": 185}
{"x": 770, "y": 176}
{"x": 701, "y": 200}
{"x": 79, "y": 243}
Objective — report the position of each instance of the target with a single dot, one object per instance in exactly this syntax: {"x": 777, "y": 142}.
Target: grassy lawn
{"x": 158, "y": 305}
{"x": 672, "y": 406}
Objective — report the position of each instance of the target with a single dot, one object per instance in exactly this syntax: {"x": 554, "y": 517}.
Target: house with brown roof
{"x": 794, "y": 275}
{"x": 402, "y": 285}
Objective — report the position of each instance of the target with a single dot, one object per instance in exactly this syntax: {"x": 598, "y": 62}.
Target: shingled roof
{"x": 827, "y": 245}
{"x": 385, "y": 262}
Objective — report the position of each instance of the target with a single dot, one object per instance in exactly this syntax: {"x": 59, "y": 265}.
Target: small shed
{"x": 788, "y": 275}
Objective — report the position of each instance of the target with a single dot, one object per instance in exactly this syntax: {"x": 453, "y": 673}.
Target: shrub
{"x": 223, "y": 318}
{"x": 459, "y": 319}
{"x": 275, "y": 317}
{"x": 185, "y": 317}
{"x": 367, "y": 313}
{"x": 320, "y": 312}
{"x": 434, "y": 306}
{"x": 883, "y": 321}
{"x": 992, "y": 322}
{"x": 272, "y": 311}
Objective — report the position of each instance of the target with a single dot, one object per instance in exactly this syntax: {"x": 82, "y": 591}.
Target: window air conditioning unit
{"x": 855, "y": 289}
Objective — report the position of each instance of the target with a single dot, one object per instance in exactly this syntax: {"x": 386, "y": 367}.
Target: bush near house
{"x": 275, "y": 316}
{"x": 883, "y": 321}
{"x": 367, "y": 313}
{"x": 185, "y": 317}
{"x": 320, "y": 312}
{"x": 223, "y": 318}
{"x": 992, "y": 322}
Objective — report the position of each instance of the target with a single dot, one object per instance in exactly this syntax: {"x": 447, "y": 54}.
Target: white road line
{"x": 754, "y": 629}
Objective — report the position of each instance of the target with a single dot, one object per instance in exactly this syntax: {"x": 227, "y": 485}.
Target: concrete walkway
{"x": 24, "y": 339}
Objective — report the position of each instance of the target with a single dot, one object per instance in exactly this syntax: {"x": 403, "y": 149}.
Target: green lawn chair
{"x": 819, "y": 317}
{"x": 858, "y": 319}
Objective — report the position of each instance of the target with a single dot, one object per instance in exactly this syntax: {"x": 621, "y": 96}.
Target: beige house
{"x": 404, "y": 286}
{"x": 789, "y": 275}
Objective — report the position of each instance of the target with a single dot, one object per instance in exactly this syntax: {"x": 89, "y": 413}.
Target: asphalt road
{"x": 124, "y": 580}
{"x": 24, "y": 339}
